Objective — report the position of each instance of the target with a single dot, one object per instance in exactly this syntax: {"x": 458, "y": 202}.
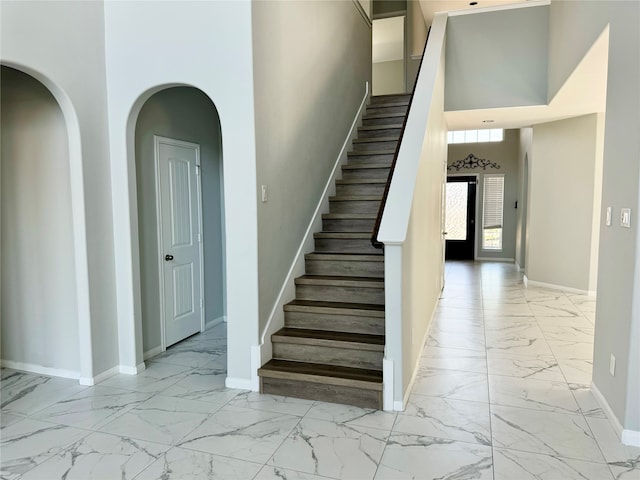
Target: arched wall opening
{"x": 185, "y": 114}
{"x": 40, "y": 298}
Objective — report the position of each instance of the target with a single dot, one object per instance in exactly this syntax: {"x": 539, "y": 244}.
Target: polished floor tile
{"x": 512, "y": 465}
{"x": 241, "y": 433}
{"x": 98, "y": 456}
{"x": 446, "y": 418}
{"x": 502, "y": 392}
{"x": 544, "y": 432}
{"x": 180, "y": 464}
{"x": 532, "y": 394}
{"x": 335, "y": 450}
{"x": 162, "y": 419}
{"x": 418, "y": 457}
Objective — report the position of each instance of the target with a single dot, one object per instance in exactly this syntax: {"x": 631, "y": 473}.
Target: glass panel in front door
{"x": 456, "y": 213}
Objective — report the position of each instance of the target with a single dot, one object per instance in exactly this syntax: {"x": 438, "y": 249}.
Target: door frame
{"x": 157, "y": 141}
{"x": 475, "y": 233}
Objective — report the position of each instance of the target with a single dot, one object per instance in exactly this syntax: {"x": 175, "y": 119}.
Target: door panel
{"x": 180, "y": 247}
{"x": 460, "y": 218}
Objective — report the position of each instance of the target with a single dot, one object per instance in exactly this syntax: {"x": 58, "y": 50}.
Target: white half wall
{"x": 411, "y": 227}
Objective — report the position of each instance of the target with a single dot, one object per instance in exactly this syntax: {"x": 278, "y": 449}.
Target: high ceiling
{"x": 431, "y": 7}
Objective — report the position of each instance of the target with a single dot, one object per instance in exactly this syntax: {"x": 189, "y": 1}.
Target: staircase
{"x": 332, "y": 345}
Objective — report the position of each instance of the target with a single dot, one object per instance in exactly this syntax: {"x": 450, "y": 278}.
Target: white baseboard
{"x": 39, "y": 369}
{"x": 561, "y": 288}
{"x": 387, "y": 385}
{"x": 495, "y": 259}
{"x": 152, "y": 352}
{"x": 287, "y": 292}
{"x": 101, "y": 377}
{"x": 627, "y": 437}
{"x": 214, "y": 322}
{"x": 132, "y": 370}
{"x": 518, "y": 267}
{"x": 239, "y": 383}
{"x": 631, "y": 438}
{"x": 256, "y": 363}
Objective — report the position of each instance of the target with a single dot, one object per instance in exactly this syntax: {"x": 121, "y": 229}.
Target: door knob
{"x": 168, "y": 257}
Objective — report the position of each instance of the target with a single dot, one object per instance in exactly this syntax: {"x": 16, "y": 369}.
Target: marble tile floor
{"x": 502, "y": 393}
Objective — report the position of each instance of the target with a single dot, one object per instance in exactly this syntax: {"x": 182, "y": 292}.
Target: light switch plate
{"x": 265, "y": 194}
{"x": 607, "y": 221}
{"x": 625, "y": 217}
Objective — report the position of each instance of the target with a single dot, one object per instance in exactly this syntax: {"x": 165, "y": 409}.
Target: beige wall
{"x": 388, "y": 77}
{"x": 38, "y": 307}
{"x": 562, "y": 187}
{"x": 525, "y": 152}
{"x": 311, "y": 62}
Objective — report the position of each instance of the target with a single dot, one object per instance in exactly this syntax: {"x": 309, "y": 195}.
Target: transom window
{"x": 476, "y": 136}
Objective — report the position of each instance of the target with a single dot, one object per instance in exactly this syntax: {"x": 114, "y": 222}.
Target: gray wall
{"x": 618, "y": 312}
{"x": 388, "y": 77}
{"x": 186, "y": 114}
{"x": 38, "y": 298}
{"x": 507, "y": 68}
{"x": 563, "y": 180}
{"x": 311, "y": 62}
{"x": 505, "y": 154}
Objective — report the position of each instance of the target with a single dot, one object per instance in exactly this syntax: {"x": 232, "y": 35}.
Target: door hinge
{"x": 199, "y": 238}
{"x": 197, "y": 169}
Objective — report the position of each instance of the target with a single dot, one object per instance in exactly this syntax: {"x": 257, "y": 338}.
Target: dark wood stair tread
{"x": 365, "y": 166}
{"x": 339, "y": 281}
{"x": 349, "y": 216}
{"x": 361, "y": 181}
{"x": 374, "y": 342}
{"x": 347, "y": 257}
{"x": 384, "y": 115}
{"x": 369, "y": 308}
{"x": 319, "y": 373}
{"x": 366, "y": 153}
{"x": 380, "y": 127}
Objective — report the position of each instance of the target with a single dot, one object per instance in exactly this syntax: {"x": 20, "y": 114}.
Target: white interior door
{"x": 177, "y": 169}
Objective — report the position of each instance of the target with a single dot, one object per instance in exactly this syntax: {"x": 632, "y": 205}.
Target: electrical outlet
{"x": 612, "y": 365}
{"x": 265, "y": 196}
{"x": 607, "y": 221}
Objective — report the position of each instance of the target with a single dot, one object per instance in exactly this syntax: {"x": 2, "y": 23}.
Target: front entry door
{"x": 177, "y": 167}
{"x": 460, "y": 218}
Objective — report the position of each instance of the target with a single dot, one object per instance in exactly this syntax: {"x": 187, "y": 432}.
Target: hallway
{"x": 501, "y": 393}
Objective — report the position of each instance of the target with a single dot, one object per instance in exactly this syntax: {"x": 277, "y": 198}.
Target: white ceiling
{"x": 431, "y": 7}
{"x": 388, "y": 39}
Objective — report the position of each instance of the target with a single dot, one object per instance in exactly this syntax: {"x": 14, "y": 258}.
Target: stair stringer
{"x": 264, "y": 350}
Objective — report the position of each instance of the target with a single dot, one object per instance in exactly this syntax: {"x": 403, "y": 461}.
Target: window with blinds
{"x": 492, "y": 212}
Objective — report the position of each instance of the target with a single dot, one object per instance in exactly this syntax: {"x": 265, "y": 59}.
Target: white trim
{"x": 498, "y": 8}
{"x": 396, "y": 13}
{"x": 127, "y": 370}
{"x": 157, "y": 140}
{"x": 39, "y": 369}
{"x": 631, "y": 438}
{"x": 256, "y": 363}
{"x": 627, "y": 437}
{"x": 239, "y": 383}
{"x": 306, "y": 245}
{"x": 562, "y": 288}
{"x": 215, "y": 321}
{"x": 387, "y": 385}
{"x": 101, "y": 377}
{"x": 518, "y": 267}
{"x": 416, "y": 57}
{"x": 153, "y": 352}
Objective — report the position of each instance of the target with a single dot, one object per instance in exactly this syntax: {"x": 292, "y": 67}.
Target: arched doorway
{"x": 183, "y": 118}
{"x": 39, "y": 289}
